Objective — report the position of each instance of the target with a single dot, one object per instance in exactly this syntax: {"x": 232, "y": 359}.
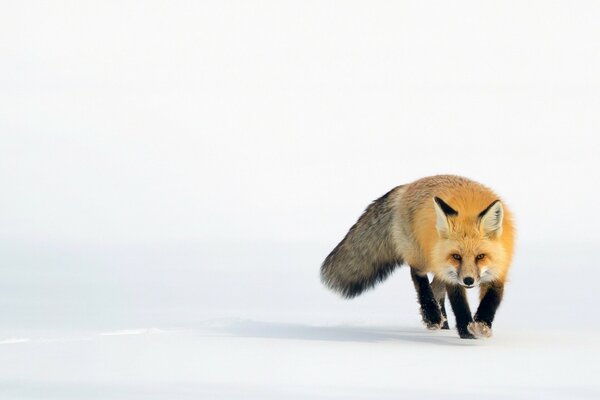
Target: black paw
{"x": 464, "y": 333}
{"x": 445, "y": 325}
{"x": 432, "y": 316}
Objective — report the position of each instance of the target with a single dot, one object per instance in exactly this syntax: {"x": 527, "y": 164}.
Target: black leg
{"x": 491, "y": 296}
{"x": 460, "y": 307}
{"x": 442, "y": 304}
{"x": 430, "y": 310}
{"x": 439, "y": 292}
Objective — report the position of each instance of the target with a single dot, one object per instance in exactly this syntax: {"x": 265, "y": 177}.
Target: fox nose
{"x": 468, "y": 281}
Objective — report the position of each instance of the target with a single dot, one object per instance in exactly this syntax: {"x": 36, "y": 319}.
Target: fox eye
{"x": 480, "y": 256}
{"x": 457, "y": 257}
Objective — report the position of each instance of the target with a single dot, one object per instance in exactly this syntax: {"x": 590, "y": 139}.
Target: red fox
{"x": 452, "y": 227}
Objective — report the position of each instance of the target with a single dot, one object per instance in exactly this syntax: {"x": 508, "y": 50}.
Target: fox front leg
{"x": 491, "y": 296}
{"x": 430, "y": 310}
{"x": 460, "y": 307}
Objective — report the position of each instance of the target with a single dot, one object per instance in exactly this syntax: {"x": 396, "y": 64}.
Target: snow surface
{"x": 252, "y": 321}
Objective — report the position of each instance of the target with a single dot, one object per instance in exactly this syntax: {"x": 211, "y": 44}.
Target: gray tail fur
{"x": 366, "y": 255}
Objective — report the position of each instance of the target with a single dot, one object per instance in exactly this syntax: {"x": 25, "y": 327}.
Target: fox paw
{"x": 465, "y": 334}
{"x": 433, "y": 318}
{"x": 434, "y": 326}
{"x": 480, "y": 329}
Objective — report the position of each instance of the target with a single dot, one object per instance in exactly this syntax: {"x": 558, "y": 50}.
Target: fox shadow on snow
{"x": 339, "y": 333}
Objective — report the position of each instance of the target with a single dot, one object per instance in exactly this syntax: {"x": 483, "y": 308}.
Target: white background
{"x": 129, "y": 122}
{"x": 173, "y": 173}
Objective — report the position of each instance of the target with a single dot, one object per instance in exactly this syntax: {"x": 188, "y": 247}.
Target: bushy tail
{"x": 366, "y": 255}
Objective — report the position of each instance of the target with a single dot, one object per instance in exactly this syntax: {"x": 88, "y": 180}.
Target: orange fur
{"x": 433, "y": 251}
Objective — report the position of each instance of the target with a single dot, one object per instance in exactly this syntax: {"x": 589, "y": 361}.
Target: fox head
{"x": 468, "y": 251}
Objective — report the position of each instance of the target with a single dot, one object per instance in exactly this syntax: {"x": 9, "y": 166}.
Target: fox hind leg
{"x": 430, "y": 309}
{"x": 439, "y": 293}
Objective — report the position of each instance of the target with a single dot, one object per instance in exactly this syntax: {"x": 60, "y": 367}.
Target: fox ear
{"x": 442, "y": 212}
{"x": 490, "y": 219}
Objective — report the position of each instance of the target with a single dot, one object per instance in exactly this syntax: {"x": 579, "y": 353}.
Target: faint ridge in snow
{"x": 132, "y": 332}
{"x": 14, "y": 340}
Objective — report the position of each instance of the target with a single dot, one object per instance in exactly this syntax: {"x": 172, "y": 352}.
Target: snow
{"x": 174, "y": 173}
{"x": 252, "y": 321}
